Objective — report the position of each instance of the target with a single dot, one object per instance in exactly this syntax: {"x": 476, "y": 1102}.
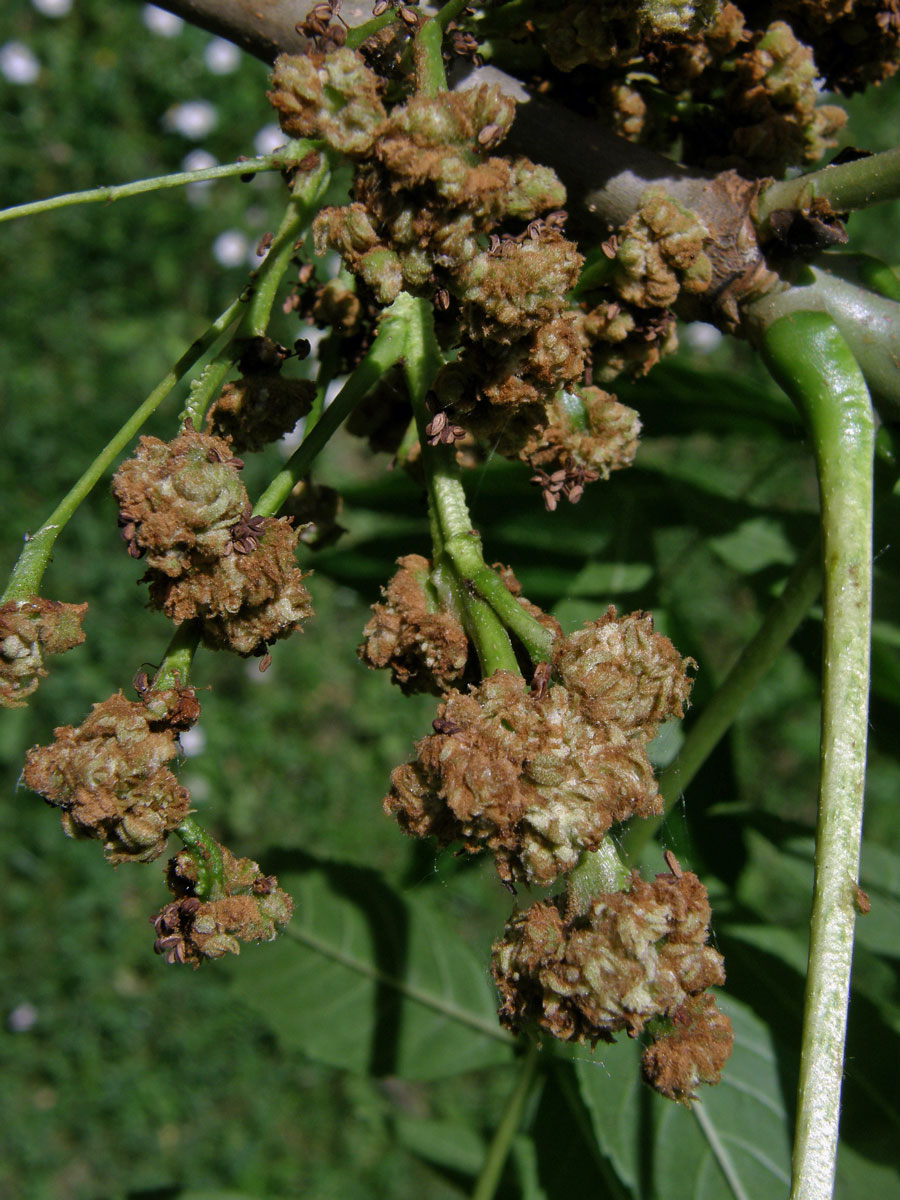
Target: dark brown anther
{"x": 540, "y": 681}
{"x": 141, "y": 683}
{"x": 215, "y": 455}
{"x": 302, "y": 348}
{"x": 263, "y": 244}
{"x": 381, "y": 6}
{"x": 246, "y": 532}
{"x": 863, "y": 903}
{"x": 494, "y": 245}
{"x": 673, "y": 864}
{"x": 442, "y": 300}
{"x": 610, "y": 247}
{"x": 409, "y": 18}
{"x": 557, "y": 219}
{"x": 264, "y": 663}
{"x": 435, "y": 428}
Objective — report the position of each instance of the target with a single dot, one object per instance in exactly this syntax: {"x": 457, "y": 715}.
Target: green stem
{"x": 498, "y": 1151}
{"x": 851, "y": 185}
{"x": 205, "y": 387}
{"x": 450, "y": 11}
{"x": 430, "y": 76}
{"x": 385, "y": 351}
{"x": 267, "y": 162}
{"x": 32, "y": 562}
{"x": 810, "y": 359}
{"x": 175, "y": 668}
{"x": 329, "y": 349}
{"x": 263, "y": 287}
{"x": 598, "y": 871}
{"x": 207, "y": 855}
{"x": 359, "y": 33}
{"x": 467, "y": 558}
{"x": 778, "y": 627}
{"x": 308, "y": 189}
{"x": 448, "y": 510}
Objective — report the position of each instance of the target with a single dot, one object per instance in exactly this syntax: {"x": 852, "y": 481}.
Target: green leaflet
{"x": 733, "y": 1144}
{"x": 369, "y": 982}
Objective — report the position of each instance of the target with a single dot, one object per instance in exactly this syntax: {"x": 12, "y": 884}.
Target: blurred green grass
{"x": 134, "y": 1078}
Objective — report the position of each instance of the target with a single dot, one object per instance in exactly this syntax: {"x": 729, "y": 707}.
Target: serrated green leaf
{"x": 369, "y": 982}
{"x": 732, "y": 1145}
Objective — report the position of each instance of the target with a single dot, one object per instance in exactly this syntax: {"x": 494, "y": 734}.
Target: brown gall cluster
{"x": 416, "y": 632}
{"x": 30, "y": 630}
{"x": 428, "y": 196}
{"x": 252, "y": 908}
{"x": 185, "y": 511}
{"x": 739, "y": 86}
{"x": 635, "y": 959}
{"x": 262, "y": 406}
{"x": 538, "y": 776}
{"x": 109, "y": 775}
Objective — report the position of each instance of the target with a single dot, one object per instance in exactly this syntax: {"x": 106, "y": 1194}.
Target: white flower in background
{"x": 22, "y": 1018}
{"x": 230, "y": 248}
{"x": 18, "y": 64}
{"x": 269, "y": 138}
{"x": 160, "y": 22}
{"x": 702, "y": 337}
{"x": 199, "y": 160}
{"x": 221, "y": 57}
{"x": 192, "y": 118}
{"x": 192, "y": 742}
{"x": 53, "y": 8}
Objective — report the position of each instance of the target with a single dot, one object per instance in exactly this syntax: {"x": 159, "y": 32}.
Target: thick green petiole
{"x": 810, "y": 359}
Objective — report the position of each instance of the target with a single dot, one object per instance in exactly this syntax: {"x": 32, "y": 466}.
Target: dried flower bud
{"x": 179, "y": 496}
{"x": 524, "y": 775}
{"x": 315, "y": 509}
{"x": 692, "y": 1051}
{"x": 252, "y": 909}
{"x": 632, "y": 956}
{"x": 627, "y": 675}
{"x": 660, "y": 251}
{"x": 415, "y": 633}
{"x": 258, "y": 409}
{"x": 109, "y": 777}
{"x": 588, "y": 435}
{"x": 334, "y": 97}
{"x": 247, "y": 598}
{"x": 29, "y": 630}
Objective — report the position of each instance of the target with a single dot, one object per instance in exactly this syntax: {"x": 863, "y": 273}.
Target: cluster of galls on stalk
{"x": 736, "y": 85}
{"x": 110, "y": 779}
{"x": 437, "y": 214}
{"x": 185, "y": 512}
{"x": 30, "y": 630}
{"x": 537, "y": 775}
